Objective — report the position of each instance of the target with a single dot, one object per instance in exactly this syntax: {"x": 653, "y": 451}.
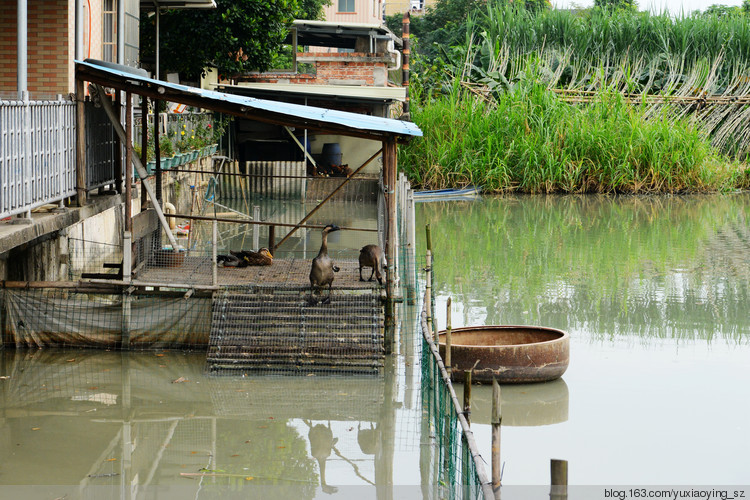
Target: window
{"x": 346, "y": 6}
{"x": 109, "y": 30}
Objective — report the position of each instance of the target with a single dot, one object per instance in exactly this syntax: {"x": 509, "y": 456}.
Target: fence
{"x": 38, "y": 153}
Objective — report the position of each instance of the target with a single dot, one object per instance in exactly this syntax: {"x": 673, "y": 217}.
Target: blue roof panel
{"x": 356, "y": 121}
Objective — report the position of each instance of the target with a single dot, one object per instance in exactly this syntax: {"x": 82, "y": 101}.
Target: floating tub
{"x": 510, "y": 354}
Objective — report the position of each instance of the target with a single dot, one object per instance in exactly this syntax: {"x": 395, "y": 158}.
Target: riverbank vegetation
{"x": 594, "y": 101}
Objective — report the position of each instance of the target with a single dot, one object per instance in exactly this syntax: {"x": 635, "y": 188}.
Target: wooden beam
{"x": 128, "y": 160}
{"x": 80, "y": 144}
{"x": 389, "y": 179}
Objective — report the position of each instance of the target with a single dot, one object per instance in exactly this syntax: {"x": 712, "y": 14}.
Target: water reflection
{"x": 523, "y": 405}
{"x": 657, "y": 267}
{"x": 94, "y": 421}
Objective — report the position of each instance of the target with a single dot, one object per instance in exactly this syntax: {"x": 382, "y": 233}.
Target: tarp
{"x": 37, "y": 318}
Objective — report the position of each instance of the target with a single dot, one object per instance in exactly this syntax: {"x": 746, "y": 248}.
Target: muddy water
{"x": 654, "y": 292}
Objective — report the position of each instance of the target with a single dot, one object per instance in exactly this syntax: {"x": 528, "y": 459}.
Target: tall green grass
{"x": 528, "y": 140}
{"x": 682, "y": 58}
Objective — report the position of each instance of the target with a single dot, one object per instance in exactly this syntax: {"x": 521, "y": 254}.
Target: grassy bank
{"x": 528, "y": 140}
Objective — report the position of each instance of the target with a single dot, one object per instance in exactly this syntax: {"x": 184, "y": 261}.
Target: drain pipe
{"x": 22, "y": 48}
{"x": 405, "y": 65}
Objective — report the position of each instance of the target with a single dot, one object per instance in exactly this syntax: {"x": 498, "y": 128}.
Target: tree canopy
{"x": 236, "y": 37}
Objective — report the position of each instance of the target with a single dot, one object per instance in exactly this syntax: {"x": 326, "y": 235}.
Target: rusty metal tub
{"x": 510, "y": 354}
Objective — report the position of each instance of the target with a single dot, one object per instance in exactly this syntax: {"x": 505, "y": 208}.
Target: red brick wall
{"x": 338, "y": 71}
{"x": 49, "y": 56}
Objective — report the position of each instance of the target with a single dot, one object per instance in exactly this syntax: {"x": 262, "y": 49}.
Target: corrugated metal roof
{"x": 328, "y": 120}
{"x": 350, "y": 91}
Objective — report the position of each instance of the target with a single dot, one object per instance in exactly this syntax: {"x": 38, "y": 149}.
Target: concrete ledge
{"x": 14, "y": 235}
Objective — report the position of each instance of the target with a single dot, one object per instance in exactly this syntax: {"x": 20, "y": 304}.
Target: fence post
{"x": 448, "y": 360}
{"x": 214, "y": 265}
{"x": 496, "y": 422}
{"x": 256, "y": 228}
{"x": 559, "y": 479}
{"x": 80, "y": 145}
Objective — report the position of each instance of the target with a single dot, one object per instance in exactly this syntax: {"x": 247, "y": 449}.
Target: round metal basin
{"x": 510, "y": 354}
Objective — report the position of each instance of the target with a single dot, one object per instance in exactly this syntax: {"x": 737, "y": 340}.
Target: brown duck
{"x": 371, "y": 256}
{"x": 262, "y": 257}
{"x": 321, "y": 272}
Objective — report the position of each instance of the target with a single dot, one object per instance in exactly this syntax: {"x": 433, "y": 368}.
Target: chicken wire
{"x": 285, "y": 329}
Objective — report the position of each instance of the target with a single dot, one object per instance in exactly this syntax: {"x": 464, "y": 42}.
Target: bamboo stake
{"x": 428, "y": 291}
{"x": 559, "y": 479}
{"x": 448, "y": 338}
{"x": 496, "y": 422}
{"x": 467, "y": 396}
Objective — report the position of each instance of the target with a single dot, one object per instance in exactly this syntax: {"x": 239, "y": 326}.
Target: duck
{"x": 262, "y": 257}
{"x": 322, "y": 269}
{"x": 230, "y": 261}
{"x": 371, "y": 256}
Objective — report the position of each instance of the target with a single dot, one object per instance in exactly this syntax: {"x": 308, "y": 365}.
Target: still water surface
{"x": 654, "y": 292}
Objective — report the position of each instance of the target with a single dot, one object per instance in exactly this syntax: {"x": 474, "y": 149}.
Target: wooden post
{"x": 272, "y": 239}
{"x": 389, "y": 178}
{"x": 448, "y": 366}
{"x": 157, "y": 158}
{"x": 118, "y": 142}
{"x": 256, "y": 229}
{"x": 428, "y": 291}
{"x": 144, "y": 144}
{"x": 80, "y": 144}
{"x": 496, "y": 421}
{"x": 406, "y": 52}
{"x": 214, "y": 240}
{"x": 559, "y": 479}
{"x": 128, "y": 162}
{"x": 467, "y": 396}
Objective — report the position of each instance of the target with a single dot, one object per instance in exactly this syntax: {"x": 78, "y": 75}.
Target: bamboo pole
{"x": 484, "y": 481}
{"x": 467, "y": 396}
{"x": 428, "y": 290}
{"x": 448, "y": 338}
{"x": 214, "y": 264}
{"x": 496, "y": 423}
{"x": 559, "y": 479}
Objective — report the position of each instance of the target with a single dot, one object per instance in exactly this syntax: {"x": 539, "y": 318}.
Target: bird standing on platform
{"x": 371, "y": 256}
{"x": 321, "y": 272}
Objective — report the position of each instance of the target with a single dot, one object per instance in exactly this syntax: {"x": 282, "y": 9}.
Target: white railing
{"x": 37, "y": 154}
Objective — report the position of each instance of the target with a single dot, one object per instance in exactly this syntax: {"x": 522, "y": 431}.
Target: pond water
{"x": 654, "y": 292}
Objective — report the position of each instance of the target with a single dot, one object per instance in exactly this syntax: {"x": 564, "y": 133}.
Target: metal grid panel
{"x": 281, "y": 328}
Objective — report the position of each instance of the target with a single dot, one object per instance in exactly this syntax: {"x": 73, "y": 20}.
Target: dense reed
{"x": 602, "y": 131}
{"x": 529, "y": 140}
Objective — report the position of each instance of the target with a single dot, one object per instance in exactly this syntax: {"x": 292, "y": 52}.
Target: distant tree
{"x": 746, "y": 7}
{"x": 630, "y": 5}
{"x": 236, "y": 37}
{"x": 724, "y": 10}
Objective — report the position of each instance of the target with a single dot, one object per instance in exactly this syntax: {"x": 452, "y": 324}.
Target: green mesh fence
{"x": 455, "y": 474}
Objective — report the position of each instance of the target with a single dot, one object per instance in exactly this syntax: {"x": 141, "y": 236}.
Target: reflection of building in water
{"x": 522, "y": 404}
{"x": 153, "y": 419}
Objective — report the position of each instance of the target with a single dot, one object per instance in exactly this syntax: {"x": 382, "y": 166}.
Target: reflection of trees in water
{"x": 666, "y": 266}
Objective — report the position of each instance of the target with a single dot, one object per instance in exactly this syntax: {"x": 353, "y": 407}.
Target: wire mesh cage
{"x": 283, "y": 329}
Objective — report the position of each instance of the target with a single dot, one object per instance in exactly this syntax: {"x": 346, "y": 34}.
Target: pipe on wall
{"x": 22, "y": 48}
